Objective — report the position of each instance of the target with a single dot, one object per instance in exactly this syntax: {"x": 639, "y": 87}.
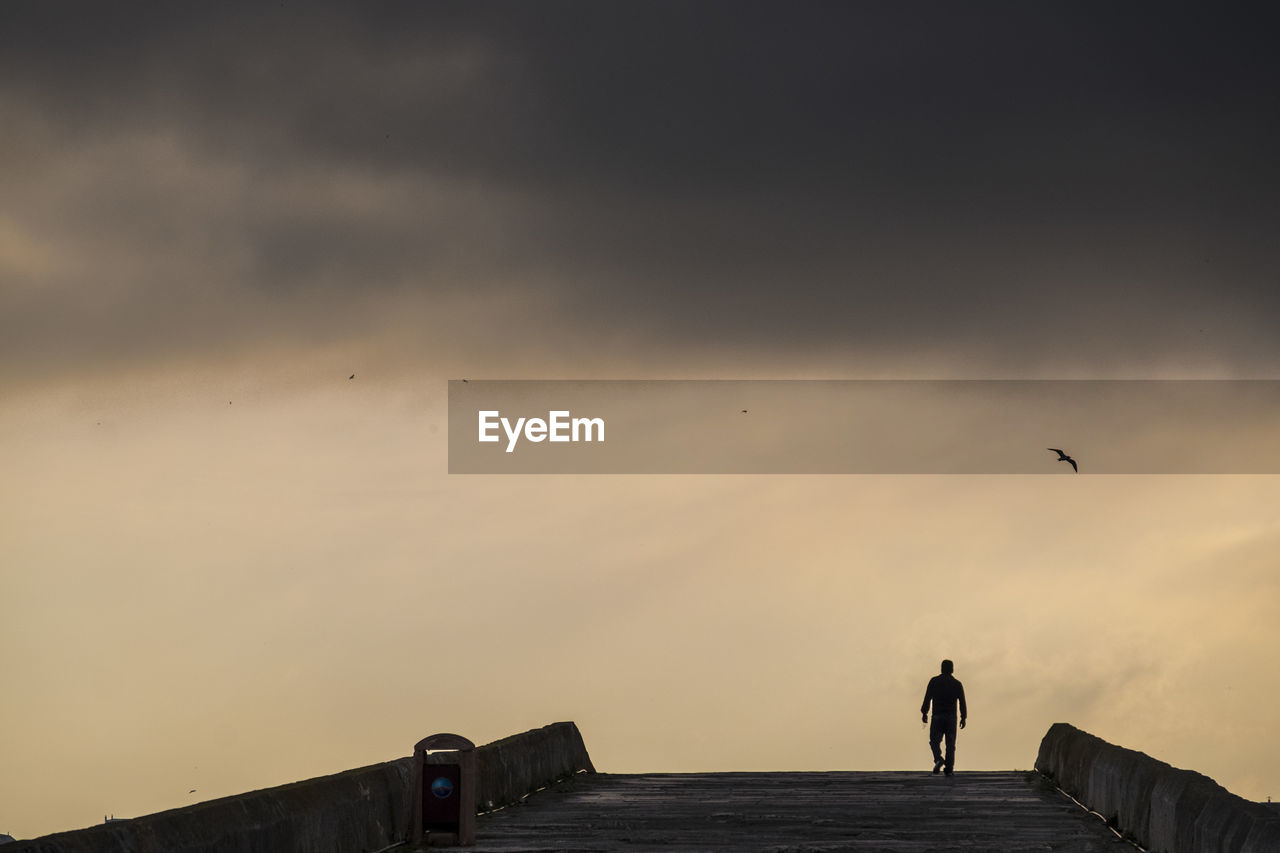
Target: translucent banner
{"x": 1062, "y": 427}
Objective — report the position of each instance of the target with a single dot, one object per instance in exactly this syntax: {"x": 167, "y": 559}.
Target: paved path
{"x": 847, "y": 811}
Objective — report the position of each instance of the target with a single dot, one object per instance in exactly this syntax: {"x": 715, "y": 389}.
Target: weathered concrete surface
{"x": 909, "y": 812}
{"x": 354, "y": 810}
{"x": 358, "y": 810}
{"x": 1165, "y": 809}
{"x": 518, "y": 765}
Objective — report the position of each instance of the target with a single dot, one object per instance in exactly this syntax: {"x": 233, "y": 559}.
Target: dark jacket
{"x": 944, "y": 691}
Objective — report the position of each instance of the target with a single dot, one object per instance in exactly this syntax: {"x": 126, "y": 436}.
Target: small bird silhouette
{"x": 352, "y": 376}
{"x": 192, "y": 791}
{"x": 1063, "y": 457}
{"x": 464, "y": 380}
{"x": 744, "y": 411}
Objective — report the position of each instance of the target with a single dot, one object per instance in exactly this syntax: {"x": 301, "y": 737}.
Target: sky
{"x": 224, "y": 565}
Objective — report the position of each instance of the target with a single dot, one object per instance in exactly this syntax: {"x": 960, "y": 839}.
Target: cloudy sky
{"x": 225, "y": 565}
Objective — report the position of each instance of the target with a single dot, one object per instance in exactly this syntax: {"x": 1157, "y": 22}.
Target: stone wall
{"x": 1164, "y": 809}
{"x": 357, "y": 811}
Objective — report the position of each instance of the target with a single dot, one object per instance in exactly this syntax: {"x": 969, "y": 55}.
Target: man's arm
{"x": 964, "y": 709}
{"x": 924, "y": 706}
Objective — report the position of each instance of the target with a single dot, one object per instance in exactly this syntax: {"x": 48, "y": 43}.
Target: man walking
{"x": 945, "y": 692}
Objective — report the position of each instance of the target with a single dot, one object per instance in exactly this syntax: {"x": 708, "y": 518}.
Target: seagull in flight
{"x": 1063, "y": 457}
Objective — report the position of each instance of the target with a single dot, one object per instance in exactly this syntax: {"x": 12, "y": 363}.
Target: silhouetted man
{"x": 945, "y": 692}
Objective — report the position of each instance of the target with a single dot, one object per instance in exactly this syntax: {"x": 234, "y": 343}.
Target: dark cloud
{"x": 778, "y": 176}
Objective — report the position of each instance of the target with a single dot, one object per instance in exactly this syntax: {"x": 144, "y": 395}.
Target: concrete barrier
{"x": 1164, "y": 809}
{"x": 357, "y": 811}
{"x": 514, "y": 767}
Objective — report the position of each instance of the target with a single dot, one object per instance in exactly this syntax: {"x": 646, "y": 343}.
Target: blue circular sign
{"x": 442, "y": 788}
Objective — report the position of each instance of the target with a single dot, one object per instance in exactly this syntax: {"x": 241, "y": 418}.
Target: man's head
{"x": 948, "y": 667}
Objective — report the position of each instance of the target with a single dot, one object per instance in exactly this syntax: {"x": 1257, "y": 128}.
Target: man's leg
{"x": 951, "y": 745}
{"x": 936, "y": 730}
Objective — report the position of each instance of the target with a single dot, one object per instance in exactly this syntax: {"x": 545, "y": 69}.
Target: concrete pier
{"x": 538, "y": 791}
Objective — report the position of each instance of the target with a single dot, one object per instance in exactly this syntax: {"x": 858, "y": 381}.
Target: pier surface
{"x": 911, "y": 812}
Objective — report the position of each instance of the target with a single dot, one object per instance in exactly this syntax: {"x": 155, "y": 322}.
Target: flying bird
{"x": 192, "y": 791}
{"x": 1063, "y": 457}
{"x": 744, "y": 411}
{"x": 352, "y": 376}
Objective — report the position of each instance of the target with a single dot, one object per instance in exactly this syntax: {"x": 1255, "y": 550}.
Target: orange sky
{"x": 225, "y": 597}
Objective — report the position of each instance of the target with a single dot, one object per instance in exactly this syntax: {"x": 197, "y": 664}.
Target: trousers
{"x": 943, "y": 727}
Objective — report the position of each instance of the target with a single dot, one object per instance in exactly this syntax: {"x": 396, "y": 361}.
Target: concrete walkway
{"x": 1007, "y": 811}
